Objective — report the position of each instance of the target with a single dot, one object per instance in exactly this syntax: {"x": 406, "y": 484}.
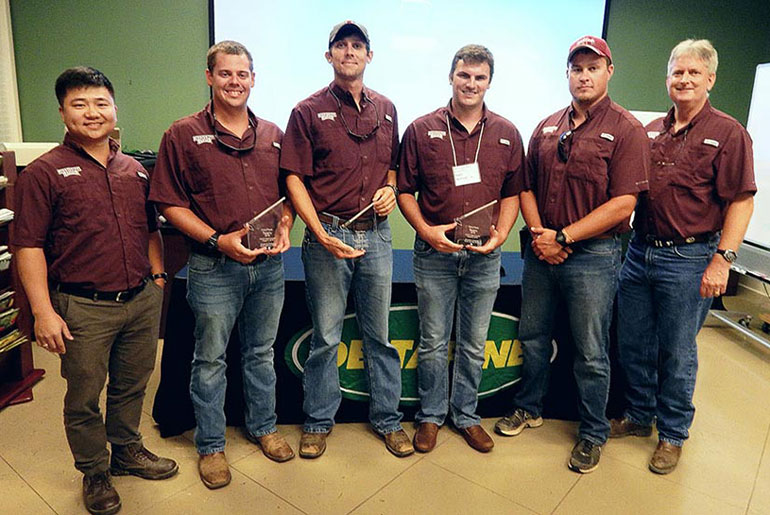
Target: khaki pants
{"x": 119, "y": 339}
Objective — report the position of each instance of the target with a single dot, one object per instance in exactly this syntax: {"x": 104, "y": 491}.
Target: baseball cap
{"x": 596, "y": 45}
{"x": 347, "y": 27}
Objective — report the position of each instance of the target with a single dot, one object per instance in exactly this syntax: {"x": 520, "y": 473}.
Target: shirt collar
{"x": 346, "y": 97}
{"x": 669, "y": 120}
{"x": 448, "y": 110}
{"x": 594, "y": 111}
{"x": 209, "y": 109}
{"x": 69, "y": 141}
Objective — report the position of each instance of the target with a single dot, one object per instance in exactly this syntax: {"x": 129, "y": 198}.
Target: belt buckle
{"x": 120, "y": 295}
{"x": 690, "y": 239}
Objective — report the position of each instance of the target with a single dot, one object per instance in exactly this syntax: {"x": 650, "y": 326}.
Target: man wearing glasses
{"x": 466, "y": 162}
{"x": 340, "y": 152}
{"x": 586, "y": 165}
{"x": 216, "y": 170}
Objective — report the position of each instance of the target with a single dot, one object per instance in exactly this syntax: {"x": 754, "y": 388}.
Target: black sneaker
{"x": 99, "y": 496}
{"x": 136, "y": 460}
{"x": 516, "y": 422}
{"x": 585, "y": 457}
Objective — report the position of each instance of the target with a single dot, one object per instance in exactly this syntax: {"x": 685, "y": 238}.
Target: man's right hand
{"x": 435, "y": 236}
{"x": 340, "y": 249}
{"x": 51, "y": 331}
{"x": 546, "y": 248}
{"x": 231, "y": 245}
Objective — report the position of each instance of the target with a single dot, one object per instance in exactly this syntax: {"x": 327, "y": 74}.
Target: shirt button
{"x": 363, "y": 199}
{"x": 251, "y": 188}
{"x": 245, "y": 165}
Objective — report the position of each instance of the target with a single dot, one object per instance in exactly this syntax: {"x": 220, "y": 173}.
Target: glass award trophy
{"x": 262, "y": 228}
{"x": 360, "y": 241}
{"x": 473, "y": 227}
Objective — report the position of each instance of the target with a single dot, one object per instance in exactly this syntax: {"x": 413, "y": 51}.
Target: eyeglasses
{"x": 217, "y": 137}
{"x": 564, "y": 145}
{"x": 362, "y": 137}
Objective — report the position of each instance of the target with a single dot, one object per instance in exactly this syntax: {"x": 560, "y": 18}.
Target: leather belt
{"x": 115, "y": 296}
{"x": 671, "y": 242}
{"x": 362, "y": 224}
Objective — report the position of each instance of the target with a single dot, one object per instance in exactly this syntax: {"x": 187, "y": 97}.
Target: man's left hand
{"x": 714, "y": 280}
{"x": 495, "y": 240}
{"x": 384, "y": 201}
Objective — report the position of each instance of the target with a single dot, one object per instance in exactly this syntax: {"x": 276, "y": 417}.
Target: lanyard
{"x": 451, "y": 141}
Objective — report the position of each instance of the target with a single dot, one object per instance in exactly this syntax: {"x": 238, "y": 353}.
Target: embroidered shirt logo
{"x": 142, "y": 175}
{"x": 277, "y": 145}
{"x": 504, "y": 141}
{"x": 653, "y": 134}
{"x": 388, "y": 118}
{"x": 436, "y": 134}
{"x": 549, "y": 129}
{"x": 714, "y": 143}
{"x": 607, "y": 136}
{"x": 327, "y": 116}
{"x": 203, "y": 138}
{"x": 70, "y": 170}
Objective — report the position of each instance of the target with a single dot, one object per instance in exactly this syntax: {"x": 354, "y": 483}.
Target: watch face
{"x": 730, "y": 256}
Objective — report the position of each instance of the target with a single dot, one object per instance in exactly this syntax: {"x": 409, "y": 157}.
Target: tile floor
{"x": 725, "y": 467}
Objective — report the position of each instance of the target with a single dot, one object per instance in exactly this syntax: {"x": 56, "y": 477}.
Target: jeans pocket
{"x": 599, "y": 247}
{"x": 383, "y": 231}
{"x": 422, "y": 248}
{"x": 202, "y": 264}
{"x": 693, "y": 251}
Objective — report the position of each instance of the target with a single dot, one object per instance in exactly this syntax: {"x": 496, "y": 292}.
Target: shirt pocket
{"x": 202, "y": 162}
{"x": 333, "y": 149}
{"x": 82, "y": 203}
{"x": 132, "y": 191}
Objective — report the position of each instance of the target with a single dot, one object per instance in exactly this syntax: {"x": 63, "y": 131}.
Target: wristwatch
{"x": 729, "y": 255}
{"x": 394, "y": 188}
{"x": 213, "y": 241}
{"x": 561, "y": 239}
{"x": 161, "y": 275}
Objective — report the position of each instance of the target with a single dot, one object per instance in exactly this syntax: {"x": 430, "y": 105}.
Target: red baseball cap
{"x": 596, "y": 45}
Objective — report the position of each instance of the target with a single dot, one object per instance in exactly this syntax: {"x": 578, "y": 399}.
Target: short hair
{"x": 698, "y": 48}
{"x": 229, "y": 48}
{"x": 81, "y": 77}
{"x": 474, "y": 54}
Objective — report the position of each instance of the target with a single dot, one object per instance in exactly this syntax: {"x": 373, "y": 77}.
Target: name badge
{"x": 466, "y": 174}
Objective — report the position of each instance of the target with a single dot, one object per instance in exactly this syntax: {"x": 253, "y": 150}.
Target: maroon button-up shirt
{"x": 608, "y": 157}
{"x": 426, "y": 160}
{"x": 92, "y": 222}
{"x": 223, "y": 187}
{"x": 341, "y": 172}
{"x": 695, "y": 173}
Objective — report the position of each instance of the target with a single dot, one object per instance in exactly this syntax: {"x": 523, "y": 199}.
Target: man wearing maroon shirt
{"x": 458, "y": 158}
{"x": 90, "y": 259}
{"x": 340, "y": 151}
{"x": 686, "y": 232}
{"x": 586, "y": 165}
{"x": 216, "y": 170}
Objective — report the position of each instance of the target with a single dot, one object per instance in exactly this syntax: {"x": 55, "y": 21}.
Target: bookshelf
{"x": 17, "y": 371}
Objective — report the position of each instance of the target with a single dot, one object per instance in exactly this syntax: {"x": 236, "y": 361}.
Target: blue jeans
{"x": 221, "y": 291}
{"x": 587, "y": 281}
{"x": 470, "y": 281}
{"x": 328, "y": 281}
{"x": 660, "y": 311}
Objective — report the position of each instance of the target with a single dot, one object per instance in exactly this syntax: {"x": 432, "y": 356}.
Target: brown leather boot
{"x": 274, "y": 446}
{"x": 477, "y": 438}
{"x": 620, "y": 427}
{"x": 398, "y": 443}
{"x": 425, "y": 437}
{"x": 665, "y": 458}
{"x": 213, "y": 470}
{"x": 99, "y": 496}
{"x": 136, "y": 460}
{"x": 312, "y": 445}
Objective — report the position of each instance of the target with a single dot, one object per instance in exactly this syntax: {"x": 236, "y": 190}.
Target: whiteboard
{"x": 759, "y": 128}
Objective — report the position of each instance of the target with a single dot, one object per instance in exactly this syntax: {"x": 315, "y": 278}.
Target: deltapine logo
{"x": 502, "y": 354}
